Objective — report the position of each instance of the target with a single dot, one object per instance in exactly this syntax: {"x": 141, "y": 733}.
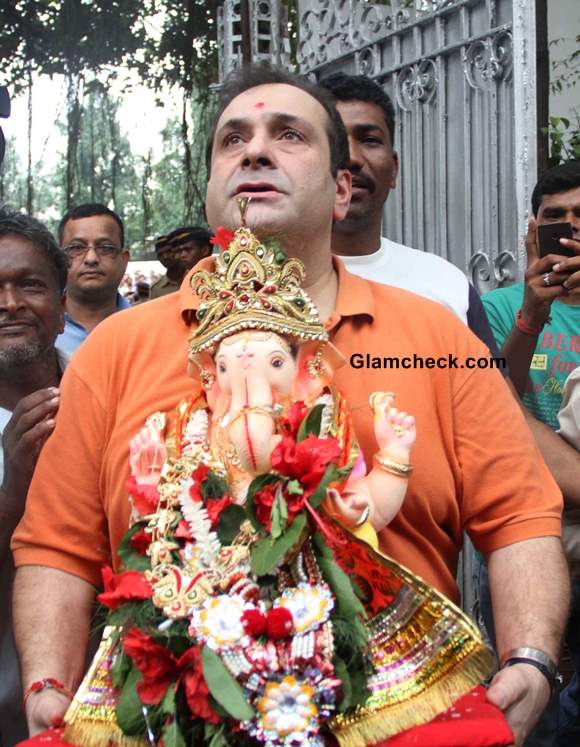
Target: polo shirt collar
{"x": 354, "y": 297}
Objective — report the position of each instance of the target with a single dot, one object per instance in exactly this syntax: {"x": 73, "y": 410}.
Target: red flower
{"x": 145, "y": 497}
{"x": 198, "y": 475}
{"x": 263, "y": 502}
{"x": 254, "y": 622}
{"x": 159, "y": 668}
{"x": 215, "y": 508}
{"x": 290, "y": 424}
{"x": 222, "y": 237}
{"x": 305, "y": 461}
{"x": 279, "y": 623}
{"x": 140, "y": 541}
{"x": 130, "y": 586}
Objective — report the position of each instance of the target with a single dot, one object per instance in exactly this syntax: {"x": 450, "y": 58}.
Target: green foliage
{"x": 229, "y": 524}
{"x": 311, "y": 423}
{"x": 223, "y": 687}
{"x": 564, "y": 138}
{"x": 279, "y": 516}
{"x": 129, "y": 708}
{"x": 132, "y": 560}
{"x": 268, "y": 552}
{"x": 172, "y": 736}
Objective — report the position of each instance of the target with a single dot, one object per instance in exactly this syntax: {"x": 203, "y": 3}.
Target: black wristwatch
{"x": 535, "y": 658}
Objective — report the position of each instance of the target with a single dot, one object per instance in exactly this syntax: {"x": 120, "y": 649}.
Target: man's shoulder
{"x": 504, "y": 298}
{"x": 401, "y": 256}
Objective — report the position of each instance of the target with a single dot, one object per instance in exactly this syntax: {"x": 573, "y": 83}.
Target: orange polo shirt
{"x": 476, "y": 465}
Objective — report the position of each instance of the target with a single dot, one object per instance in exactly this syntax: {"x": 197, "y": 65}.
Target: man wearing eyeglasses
{"x": 92, "y": 237}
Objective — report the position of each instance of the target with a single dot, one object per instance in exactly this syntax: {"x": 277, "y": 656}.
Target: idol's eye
{"x": 221, "y": 367}
{"x": 277, "y": 361}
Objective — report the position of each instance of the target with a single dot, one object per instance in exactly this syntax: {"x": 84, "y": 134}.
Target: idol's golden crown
{"x": 254, "y": 286}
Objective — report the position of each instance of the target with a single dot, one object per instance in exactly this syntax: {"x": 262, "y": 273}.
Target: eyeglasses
{"x": 74, "y": 251}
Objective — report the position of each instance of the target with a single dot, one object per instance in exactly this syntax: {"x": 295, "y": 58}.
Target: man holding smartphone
{"x": 537, "y": 322}
{"x": 537, "y": 325}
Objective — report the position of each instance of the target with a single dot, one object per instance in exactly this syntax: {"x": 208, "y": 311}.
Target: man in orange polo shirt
{"x": 281, "y": 141}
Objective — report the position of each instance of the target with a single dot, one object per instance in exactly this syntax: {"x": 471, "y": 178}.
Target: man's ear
{"x": 343, "y": 194}
{"x": 395, "y": 169}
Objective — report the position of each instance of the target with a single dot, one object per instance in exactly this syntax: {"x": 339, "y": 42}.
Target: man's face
{"x": 31, "y": 311}
{"x": 563, "y": 207}
{"x": 98, "y": 270}
{"x": 271, "y": 145}
{"x": 373, "y": 164}
{"x": 188, "y": 254}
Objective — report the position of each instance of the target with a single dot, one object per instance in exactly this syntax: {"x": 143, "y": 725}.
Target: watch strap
{"x": 534, "y": 657}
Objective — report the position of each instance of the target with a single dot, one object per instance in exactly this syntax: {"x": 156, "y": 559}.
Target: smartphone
{"x": 549, "y": 236}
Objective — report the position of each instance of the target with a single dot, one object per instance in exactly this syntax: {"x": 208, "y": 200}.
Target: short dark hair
{"x": 263, "y": 73}
{"x": 558, "y": 179}
{"x": 188, "y": 233}
{"x": 88, "y": 210}
{"x": 13, "y": 223}
{"x": 360, "y": 88}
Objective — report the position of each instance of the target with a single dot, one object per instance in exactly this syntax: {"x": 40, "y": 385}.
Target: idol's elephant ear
{"x": 202, "y": 368}
{"x": 317, "y": 362}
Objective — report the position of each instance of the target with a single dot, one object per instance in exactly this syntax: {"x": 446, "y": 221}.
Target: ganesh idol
{"x": 259, "y": 585}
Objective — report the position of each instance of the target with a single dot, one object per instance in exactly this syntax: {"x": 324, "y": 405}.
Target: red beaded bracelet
{"x": 47, "y": 683}
{"x": 526, "y": 328}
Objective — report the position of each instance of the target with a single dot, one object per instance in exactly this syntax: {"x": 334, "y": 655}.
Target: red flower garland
{"x": 130, "y": 586}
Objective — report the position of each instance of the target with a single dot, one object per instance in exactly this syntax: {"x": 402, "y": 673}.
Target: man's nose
{"x": 11, "y": 299}
{"x": 258, "y": 151}
{"x": 91, "y": 257}
{"x": 356, "y": 159}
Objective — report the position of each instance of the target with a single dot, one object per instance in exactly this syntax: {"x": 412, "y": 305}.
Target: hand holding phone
{"x": 549, "y": 235}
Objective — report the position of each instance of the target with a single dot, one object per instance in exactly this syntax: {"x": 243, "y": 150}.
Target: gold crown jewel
{"x": 254, "y": 286}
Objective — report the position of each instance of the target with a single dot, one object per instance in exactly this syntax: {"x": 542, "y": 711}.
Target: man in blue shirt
{"x": 92, "y": 237}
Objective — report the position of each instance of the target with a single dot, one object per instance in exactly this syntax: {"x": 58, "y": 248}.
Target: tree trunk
{"x": 73, "y": 129}
{"x": 29, "y": 180}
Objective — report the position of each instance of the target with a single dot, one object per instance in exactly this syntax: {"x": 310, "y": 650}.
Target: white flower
{"x": 219, "y": 621}
{"x": 286, "y": 707}
{"x": 310, "y": 605}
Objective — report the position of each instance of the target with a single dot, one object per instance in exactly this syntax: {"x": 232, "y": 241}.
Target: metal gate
{"x": 461, "y": 74}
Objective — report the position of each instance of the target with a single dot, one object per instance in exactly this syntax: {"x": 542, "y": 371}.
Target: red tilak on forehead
{"x": 260, "y": 105}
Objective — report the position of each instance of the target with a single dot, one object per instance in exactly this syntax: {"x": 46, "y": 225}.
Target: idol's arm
{"x": 530, "y": 592}
{"x": 52, "y": 613}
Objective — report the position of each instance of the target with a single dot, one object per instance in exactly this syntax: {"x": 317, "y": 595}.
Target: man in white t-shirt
{"x": 369, "y": 117}
{"x": 33, "y": 274}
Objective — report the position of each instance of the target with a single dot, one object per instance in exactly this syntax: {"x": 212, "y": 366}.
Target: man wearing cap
{"x": 178, "y": 252}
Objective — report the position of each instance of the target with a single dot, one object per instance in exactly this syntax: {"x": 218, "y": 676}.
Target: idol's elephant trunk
{"x": 251, "y": 421}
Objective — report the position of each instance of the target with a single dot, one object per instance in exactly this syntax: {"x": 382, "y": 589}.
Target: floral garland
{"x": 233, "y": 624}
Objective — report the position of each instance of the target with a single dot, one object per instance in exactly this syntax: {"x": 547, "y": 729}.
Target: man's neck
{"x": 89, "y": 312}
{"x": 352, "y": 240}
{"x": 321, "y": 280}
{"x": 26, "y": 379}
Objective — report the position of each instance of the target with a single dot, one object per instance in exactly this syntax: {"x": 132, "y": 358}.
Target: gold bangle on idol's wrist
{"x": 400, "y": 469}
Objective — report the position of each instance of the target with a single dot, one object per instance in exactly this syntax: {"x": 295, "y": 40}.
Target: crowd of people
{"x": 495, "y": 450}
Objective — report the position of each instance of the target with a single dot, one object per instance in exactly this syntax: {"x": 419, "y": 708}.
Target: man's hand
{"x": 546, "y": 278}
{"x": 46, "y": 709}
{"x": 29, "y": 427}
{"x": 522, "y": 693}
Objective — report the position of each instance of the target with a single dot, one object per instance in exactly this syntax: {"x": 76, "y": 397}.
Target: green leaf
{"x": 341, "y": 671}
{"x": 213, "y": 487}
{"x": 268, "y": 552}
{"x": 331, "y": 474}
{"x": 347, "y": 602}
{"x": 229, "y": 524}
{"x": 216, "y": 735}
{"x": 224, "y": 687}
{"x": 168, "y": 702}
{"x": 279, "y": 515}
{"x": 120, "y": 669}
{"x": 132, "y": 560}
{"x": 294, "y": 488}
{"x": 172, "y": 736}
{"x": 129, "y": 708}
{"x": 311, "y": 423}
